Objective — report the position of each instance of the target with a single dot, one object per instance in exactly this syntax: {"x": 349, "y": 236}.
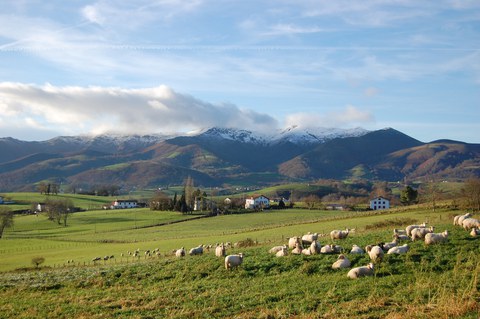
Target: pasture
{"x": 428, "y": 282}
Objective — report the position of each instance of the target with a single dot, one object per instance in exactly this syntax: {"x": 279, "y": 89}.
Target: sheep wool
{"x": 233, "y": 261}
{"x": 363, "y": 271}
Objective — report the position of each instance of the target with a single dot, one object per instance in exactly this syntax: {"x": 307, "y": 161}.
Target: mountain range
{"x": 219, "y": 156}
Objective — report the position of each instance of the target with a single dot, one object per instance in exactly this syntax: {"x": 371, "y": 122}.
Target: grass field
{"x": 428, "y": 282}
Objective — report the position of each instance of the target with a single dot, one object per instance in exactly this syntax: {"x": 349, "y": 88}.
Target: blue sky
{"x": 90, "y": 67}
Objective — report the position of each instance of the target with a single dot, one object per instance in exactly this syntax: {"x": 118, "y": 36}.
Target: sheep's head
{"x": 370, "y": 265}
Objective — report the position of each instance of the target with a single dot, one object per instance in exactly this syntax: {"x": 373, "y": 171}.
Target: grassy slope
{"x": 439, "y": 281}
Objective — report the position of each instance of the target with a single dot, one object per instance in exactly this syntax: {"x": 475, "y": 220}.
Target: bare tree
{"x": 37, "y": 261}
{"x": 6, "y": 219}
{"x": 471, "y": 194}
{"x": 311, "y": 201}
{"x": 59, "y": 210}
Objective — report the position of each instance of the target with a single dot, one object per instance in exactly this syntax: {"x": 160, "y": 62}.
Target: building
{"x": 256, "y": 202}
{"x": 379, "y": 203}
{"x": 124, "y": 203}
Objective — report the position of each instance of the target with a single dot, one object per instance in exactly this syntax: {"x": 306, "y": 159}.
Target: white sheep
{"x": 475, "y": 232}
{"x": 180, "y": 252}
{"x": 292, "y": 241}
{"x": 458, "y": 220}
{"x": 419, "y": 233}
{"x": 398, "y": 249}
{"x": 435, "y": 238}
{"x": 363, "y": 271}
{"x": 409, "y": 228}
{"x": 297, "y": 250}
{"x": 306, "y": 251}
{"x": 400, "y": 237}
{"x": 233, "y": 261}
{"x": 327, "y": 249}
{"x": 308, "y": 238}
{"x": 392, "y": 244}
{"x": 196, "y": 251}
{"x": 315, "y": 247}
{"x": 469, "y": 223}
{"x": 356, "y": 250}
{"x": 283, "y": 252}
{"x": 339, "y": 234}
{"x": 342, "y": 262}
{"x": 375, "y": 252}
{"x": 220, "y": 250}
{"x": 276, "y": 249}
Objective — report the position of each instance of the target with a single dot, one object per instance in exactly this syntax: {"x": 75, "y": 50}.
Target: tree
{"x": 408, "y": 196}
{"x": 6, "y": 219}
{"x": 37, "y": 261}
{"x": 432, "y": 193}
{"x": 160, "y": 201}
{"x": 59, "y": 210}
{"x": 471, "y": 194}
{"x": 189, "y": 192}
{"x": 311, "y": 201}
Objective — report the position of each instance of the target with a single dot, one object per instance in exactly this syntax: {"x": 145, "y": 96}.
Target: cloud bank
{"x": 72, "y": 110}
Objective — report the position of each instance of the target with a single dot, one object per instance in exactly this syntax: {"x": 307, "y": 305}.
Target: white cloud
{"x": 350, "y": 116}
{"x": 78, "y": 110}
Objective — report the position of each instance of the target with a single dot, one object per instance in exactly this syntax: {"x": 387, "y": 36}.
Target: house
{"x": 124, "y": 203}
{"x": 379, "y": 203}
{"x": 335, "y": 207}
{"x": 258, "y": 201}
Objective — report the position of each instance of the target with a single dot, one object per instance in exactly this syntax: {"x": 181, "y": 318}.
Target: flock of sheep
{"x": 309, "y": 244}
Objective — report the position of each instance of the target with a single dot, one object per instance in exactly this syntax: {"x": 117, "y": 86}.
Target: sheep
{"x": 306, "y": 251}
{"x": 337, "y": 248}
{"x": 339, "y": 234}
{"x": 196, "y": 251}
{"x": 356, "y": 250}
{"x": 342, "y": 262}
{"x": 233, "y": 261}
{"x": 375, "y": 252}
{"x": 458, "y": 220}
{"x": 297, "y": 250}
{"x": 401, "y": 237}
{"x": 327, "y": 249}
{"x": 409, "y": 228}
{"x": 276, "y": 249}
{"x": 392, "y": 244}
{"x": 475, "y": 232}
{"x": 292, "y": 241}
{"x": 358, "y": 272}
{"x": 220, "y": 250}
{"x": 398, "y": 249}
{"x": 180, "y": 252}
{"x": 282, "y": 252}
{"x": 309, "y": 238}
{"x": 469, "y": 223}
{"x": 419, "y": 233}
{"x": 435, "y": 238}
{"x": 315, "y": 247}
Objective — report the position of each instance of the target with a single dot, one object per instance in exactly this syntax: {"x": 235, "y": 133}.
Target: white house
{"x": 124, "y": 203}
{"x": 259, "y": 201}
{"x": 379, "y": 203}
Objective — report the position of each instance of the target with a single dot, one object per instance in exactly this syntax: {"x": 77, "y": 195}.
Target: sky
{"x": 164, "y": 66}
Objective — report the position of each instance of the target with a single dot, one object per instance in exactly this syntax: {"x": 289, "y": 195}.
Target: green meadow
{"x": 438, "y": 281}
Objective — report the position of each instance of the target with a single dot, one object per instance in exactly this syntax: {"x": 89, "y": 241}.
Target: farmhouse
{"x": 379, "y": 203}
{"x": 257, "y": 201}
{"x": 124, "y": 203}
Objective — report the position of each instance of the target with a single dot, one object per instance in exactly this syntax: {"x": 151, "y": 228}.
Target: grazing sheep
{"x": 392, "y": 244}
{"x": 398, "y": 249}
{"x": 458, "y": 220}
{"x": 409, "y": 228}
{"x": 292, "y": 241}
{"x": 233, "y": 261}
{"x": 297, "y": 250}
{"x": 342, "y": 262}
{"x": 401, "y": 237}
{"x": 375, "y": 252}
{"x": 363, "y": 271}
{"x": 469, "y": 223}
{"x": 220, "y": 250}
{"x": 339, "y": 234}
{"x": 306, "y": 251}
{"x": 276, "y": 249}
{"x": 283, "y": 252}
{"x": 475, "y": 232}
{"x": 435, "y": 238}
{"x": 196, "y": 251}
{"x": 315, "y": 247}
{"x": 308, "y": 238}
{"x": 180, "y": 252}
{"x": 356, "y": 250}
{"x": 419, "y": 233}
